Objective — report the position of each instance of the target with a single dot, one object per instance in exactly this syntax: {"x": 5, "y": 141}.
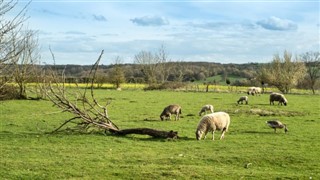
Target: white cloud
{"x": 75, "y": 33}
{"x": 150, "y": 21}
{"x": 99, "y": 18}
{"x": 275, "y": 23}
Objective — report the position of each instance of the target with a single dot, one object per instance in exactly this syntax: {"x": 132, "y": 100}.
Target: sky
{"x": 227, "y": 31}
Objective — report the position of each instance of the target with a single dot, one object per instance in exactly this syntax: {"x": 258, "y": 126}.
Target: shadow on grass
{"x": 151, "y": 120}
{"x": 8, "y": 134}
{"x": 167, "y": 140}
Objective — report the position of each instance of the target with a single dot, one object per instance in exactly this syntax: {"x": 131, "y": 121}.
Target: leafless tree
{"x": 10, "y": 34}
{"x": 100, "y": 78}
{"x": 24, "y": 64}
{"x": 117, "y": 76}
{"x": 312, "y": 62}
{"x": 148, "y": 64}
{"x": 18, "y": 47}
{"x": 155, "y": 67}
{"x": 164, "y": 66}
{"x": 283, "y": 73}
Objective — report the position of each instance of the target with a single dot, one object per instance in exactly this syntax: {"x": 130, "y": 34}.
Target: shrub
{"x": 8, "y": 92}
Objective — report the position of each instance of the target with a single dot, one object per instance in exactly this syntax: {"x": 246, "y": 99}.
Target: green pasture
{"x": 219, "y": 79}
{"x": 250, "y": 150}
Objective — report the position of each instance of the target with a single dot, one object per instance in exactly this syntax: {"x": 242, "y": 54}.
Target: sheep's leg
{"x": 212, "y": 135}
{"x": 205, "y": 134}
{"x": 222, "y": 135}
{"x": 275, "y": 130}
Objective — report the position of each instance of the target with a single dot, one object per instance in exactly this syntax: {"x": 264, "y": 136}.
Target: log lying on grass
{"x": 146, "y": 131}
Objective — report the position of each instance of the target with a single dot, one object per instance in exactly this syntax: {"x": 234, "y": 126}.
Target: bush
{"x": 8, "y": 92}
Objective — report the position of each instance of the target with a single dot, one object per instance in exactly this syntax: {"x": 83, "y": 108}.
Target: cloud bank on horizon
{"x": 211, "y": 31}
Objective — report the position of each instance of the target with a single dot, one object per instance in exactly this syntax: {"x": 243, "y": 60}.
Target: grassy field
{"x": 250, "y": 150}
{"x": 219, "y": 79}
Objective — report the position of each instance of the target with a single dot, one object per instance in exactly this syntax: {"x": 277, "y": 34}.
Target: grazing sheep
{"x": 171, "y": 109}
{"x": 278, "y": 97}
{"x": 206, "y": 108}
{"x": 254, "y": 91}
{"x": 277, "y": 124}
{"x": 250, "y": 91}
{"x": 243, "y": 98}
{"x": 212, "y": 122}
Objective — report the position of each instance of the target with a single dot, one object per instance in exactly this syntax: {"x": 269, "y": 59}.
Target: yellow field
{"x": 188, "y": 87}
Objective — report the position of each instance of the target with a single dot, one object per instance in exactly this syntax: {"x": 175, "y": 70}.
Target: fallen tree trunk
{"x": 147, "y": 131}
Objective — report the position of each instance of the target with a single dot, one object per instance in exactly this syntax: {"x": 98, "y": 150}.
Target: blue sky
{"x": 212, "y": 31}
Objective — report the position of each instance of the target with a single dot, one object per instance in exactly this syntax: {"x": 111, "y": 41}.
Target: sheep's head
{"x": 284, "y": 102}
{"x": 198, "y": 134}
{"x": 162, "y": 117}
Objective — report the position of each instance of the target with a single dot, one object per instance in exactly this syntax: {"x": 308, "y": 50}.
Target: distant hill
{"x": 221, "y": 80}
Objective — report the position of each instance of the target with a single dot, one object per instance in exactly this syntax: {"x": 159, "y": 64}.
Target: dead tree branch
{"x": 87, "y": 110}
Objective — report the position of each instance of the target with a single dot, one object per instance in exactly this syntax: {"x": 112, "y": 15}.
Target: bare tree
{"x": 155, "y": 67}
{"x": 101, "y": 78}
{"x": 117, "y": 76}
{"x": 10, "y": 34}
{"x": 18, "y": 48}
{"x": 24, "y": 68}
{"x": 148, "y": 63}
{"x": 164, "y": 66}
{"x": 312, "y": 62}
{"x": 283, "y": 73}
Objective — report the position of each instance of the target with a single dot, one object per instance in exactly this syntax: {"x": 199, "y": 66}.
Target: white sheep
{"x": 243, "y": 98}
{"x": 254, "y": 91}
{"x": 206, "y": 108}
{"x": 278, "y": 97}
{"x": 171, "y": 109}
{"x": 250, "y": 91}
{"x": 212, "y": 122}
